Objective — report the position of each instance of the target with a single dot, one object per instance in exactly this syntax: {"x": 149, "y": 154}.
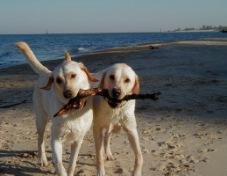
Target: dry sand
{"x": 184, "y": 133}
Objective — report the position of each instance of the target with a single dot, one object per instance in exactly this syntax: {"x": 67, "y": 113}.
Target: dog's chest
{"x": 106, "y": 114}
{"x": 117, "y": 115}
{"x": 75, "y": 129}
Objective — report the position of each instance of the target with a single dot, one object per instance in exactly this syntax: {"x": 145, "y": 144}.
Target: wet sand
{"x": 184, "y": 133}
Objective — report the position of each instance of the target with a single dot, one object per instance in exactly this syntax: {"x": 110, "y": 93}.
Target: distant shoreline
{"x": 196, "y": 30}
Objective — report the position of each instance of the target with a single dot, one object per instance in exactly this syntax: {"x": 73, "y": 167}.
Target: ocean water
{"x": 53, "y": 46}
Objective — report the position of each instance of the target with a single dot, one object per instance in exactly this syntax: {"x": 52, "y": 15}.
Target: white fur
{"x": 108, "y": 119}
{"x": 32, "y": 60}
{"x": 48, "y": 102}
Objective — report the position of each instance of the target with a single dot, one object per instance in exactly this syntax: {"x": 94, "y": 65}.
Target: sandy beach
{"x": 182, "y": 134}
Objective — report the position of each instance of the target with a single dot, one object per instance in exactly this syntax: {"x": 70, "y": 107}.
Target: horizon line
{"x": 50, "y": 33}
{"x": 61, "y": 33}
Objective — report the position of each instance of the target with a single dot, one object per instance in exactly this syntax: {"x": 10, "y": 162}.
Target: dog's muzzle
{"x": 68, "y": 94}
{"x": 115, "y": 97}
{"x": 116, "y": 93}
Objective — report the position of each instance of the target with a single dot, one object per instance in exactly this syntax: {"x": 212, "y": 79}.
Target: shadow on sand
{"x": 26, "y": 167}
{"x": 27, "y": 164}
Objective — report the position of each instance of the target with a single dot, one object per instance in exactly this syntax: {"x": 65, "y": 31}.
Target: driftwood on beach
{"x": 79, "y": 101}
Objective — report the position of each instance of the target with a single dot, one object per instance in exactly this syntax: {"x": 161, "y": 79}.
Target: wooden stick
{"x": 79, "y": 101}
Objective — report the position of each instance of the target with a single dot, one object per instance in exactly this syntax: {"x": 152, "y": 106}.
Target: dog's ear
{"x": 90, "y": 76}
{"x": 102, "y": 80}
{"x": 49, "y": 83}
{"x": 67, "y": 57}
{"x": 136, "y": 87}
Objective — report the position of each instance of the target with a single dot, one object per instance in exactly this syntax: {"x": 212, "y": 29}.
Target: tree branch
{"x": 79, "y": 101}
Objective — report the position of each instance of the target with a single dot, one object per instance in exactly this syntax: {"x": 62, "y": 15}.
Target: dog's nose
{"x": 116, "y": 92}
{"x": 68, "y": 94}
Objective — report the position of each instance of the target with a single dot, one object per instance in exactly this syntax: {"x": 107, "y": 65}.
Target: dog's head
{"x": 120, "y": 80}
{"x": 68, "y": 78}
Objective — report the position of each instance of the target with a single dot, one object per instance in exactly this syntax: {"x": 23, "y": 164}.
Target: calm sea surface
{"x": 53, "y": 46}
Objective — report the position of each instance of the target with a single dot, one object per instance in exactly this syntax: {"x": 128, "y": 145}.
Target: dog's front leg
{"x": 133, "y": 137}
{"x": 57, "y": 152}
{"x": 99, "y": 135}
{"x": 107, "y": 140}
{"x": 57, "y": 158}
{"x": 75, "y": 148}
{"x": 41, "y": 125}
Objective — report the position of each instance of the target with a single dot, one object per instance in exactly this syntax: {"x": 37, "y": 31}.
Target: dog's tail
{"x": 32, "y": 60}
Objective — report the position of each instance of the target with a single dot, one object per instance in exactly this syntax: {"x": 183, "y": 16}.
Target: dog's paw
{"x": 101, "y": 173}
{"x": 43, "y": 162}
{"x": 109, "y": 157}
{"x": 71, "y": 171}
{"x": 137, "y": 172}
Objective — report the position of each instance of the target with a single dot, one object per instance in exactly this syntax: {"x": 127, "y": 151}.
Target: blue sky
{"x": 82, "y": 16}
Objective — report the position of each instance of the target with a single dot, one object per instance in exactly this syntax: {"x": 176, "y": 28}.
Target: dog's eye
{"x": 73, "y": 76}
{"x": 112, "y": 77}
{"x": 127, "y": 80}
{"x": 59, "y": 80}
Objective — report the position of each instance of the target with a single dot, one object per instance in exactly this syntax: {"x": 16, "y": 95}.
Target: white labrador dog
{"x": 64, "y": 83}
{"x": 120, "y": 80}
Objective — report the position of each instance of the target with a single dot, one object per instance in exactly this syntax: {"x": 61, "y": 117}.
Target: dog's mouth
{"x": 113, "y": 104}
{"x": 113, "y": 101}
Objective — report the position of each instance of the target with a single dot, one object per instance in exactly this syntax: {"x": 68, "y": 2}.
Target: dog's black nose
{"x": 68, "y": 94}
{"x": 116, "y": 92}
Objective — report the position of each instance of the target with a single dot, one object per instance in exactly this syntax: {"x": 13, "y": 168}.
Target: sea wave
{"x": 5, "y": 54}
{"x": 82, "y": 49}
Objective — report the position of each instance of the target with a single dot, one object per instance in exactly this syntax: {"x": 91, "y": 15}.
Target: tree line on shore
{"x": 202, "y": 28}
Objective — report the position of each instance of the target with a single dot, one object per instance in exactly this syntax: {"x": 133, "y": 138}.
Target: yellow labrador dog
{"x": 120, "y": 80}
{"x": 64, "y": 83}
